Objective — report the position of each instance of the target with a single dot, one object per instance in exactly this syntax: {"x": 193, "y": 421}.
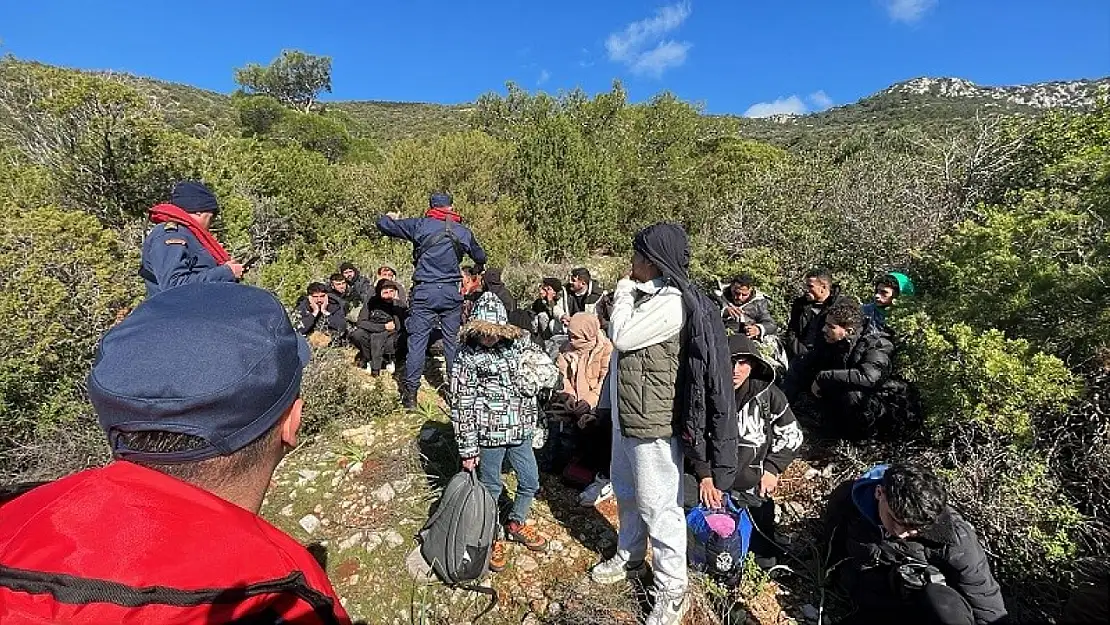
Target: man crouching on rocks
{"x": 669, "y": 387}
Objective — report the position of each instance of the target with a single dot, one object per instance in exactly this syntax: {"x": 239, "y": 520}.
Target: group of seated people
{"x": 350, "y": 308}
{"x": 904, "y": 547}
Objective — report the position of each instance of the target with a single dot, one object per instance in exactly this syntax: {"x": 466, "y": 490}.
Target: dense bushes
{"x": 1002, "y": 225}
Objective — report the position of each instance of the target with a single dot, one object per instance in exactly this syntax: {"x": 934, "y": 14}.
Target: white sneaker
{"x": 617, "y": 569}
{"x": 668, "y": 611}
{"x": 390, "y": 368}
{"x": 368, "y": 368}
{"x": 598, "y": 491}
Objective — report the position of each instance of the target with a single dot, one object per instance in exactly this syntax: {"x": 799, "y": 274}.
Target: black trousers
{"x": 878, "y": 601}
{"x": 375, "y": 347}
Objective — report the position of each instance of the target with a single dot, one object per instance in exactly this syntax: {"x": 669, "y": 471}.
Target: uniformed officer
{"x": 439, "y": 242}
{"x": 180, "y": 249}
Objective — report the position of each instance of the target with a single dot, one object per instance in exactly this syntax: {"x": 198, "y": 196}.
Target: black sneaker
{"x": 408, "y": 400}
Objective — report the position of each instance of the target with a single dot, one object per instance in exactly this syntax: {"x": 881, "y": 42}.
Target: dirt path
{"x": 359, "y": 492}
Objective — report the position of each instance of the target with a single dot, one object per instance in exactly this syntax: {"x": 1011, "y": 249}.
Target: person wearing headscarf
{"x": 583, "y": 365}
{"x": 670, "y": 388}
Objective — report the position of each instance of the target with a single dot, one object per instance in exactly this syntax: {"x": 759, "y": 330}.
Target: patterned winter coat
{"x": 490, "y": 406}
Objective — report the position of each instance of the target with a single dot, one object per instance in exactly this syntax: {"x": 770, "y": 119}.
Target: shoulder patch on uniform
{"x": 176, "y": 242}
{"x": 171, "y": 226}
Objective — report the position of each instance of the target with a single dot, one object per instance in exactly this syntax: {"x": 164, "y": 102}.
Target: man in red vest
{"x": 198, "y": 391}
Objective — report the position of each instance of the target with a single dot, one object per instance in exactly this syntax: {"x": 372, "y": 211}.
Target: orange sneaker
{"x": 497, "y": 558}
{"x": 525, "y": 535}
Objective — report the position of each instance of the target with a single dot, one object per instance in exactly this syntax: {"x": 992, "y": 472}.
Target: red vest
{"x": 126, "y": 544}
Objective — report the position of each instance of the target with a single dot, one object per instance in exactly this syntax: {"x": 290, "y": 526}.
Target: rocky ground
{"x": 358, "y": 492}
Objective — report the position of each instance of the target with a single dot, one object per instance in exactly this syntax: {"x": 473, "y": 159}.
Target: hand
{"x": 767, "y": 484}
{"x": 585, "y": 420}
{"x": 390, "y": 326}
{"x": 393, "y": 215}
{"x": 752, "y": 330}
{"x": 815, "y": 389}
{"x": 710, "y": 496}
{"x": 236, "y": 269}
{"x": 313, "y": 309}
{"x": 469, "y": 464}
{"x": 734, "y": 311}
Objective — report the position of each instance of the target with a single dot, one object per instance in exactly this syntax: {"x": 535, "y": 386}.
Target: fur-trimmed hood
{"x": 488, "y": 318}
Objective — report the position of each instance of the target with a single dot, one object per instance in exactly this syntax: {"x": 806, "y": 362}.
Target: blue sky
{"x": 734, "y": 56}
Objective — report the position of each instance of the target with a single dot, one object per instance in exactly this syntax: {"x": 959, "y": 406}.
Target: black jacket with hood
{"x": 769, "y": 434}
{"x": 708, "y": 415}
{"x": 950, "y": 544}
{"x": 852, "y": 368}
{"x": 377, "y": 312}
{"x": 807, "y": 318}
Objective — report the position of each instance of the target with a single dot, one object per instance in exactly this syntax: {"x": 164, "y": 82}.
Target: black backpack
{"x": 457, "y": 541}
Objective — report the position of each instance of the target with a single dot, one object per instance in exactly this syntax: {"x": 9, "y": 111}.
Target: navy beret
{"x": 193, "y": 197}
{"x": 216, "y": 360}
{"x": 439, "y": 200}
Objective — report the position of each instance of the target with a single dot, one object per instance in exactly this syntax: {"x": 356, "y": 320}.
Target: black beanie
{"x": 553, "y": 283}
{"x": 193, "y": 197}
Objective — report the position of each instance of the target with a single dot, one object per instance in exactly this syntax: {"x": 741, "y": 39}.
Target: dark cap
{"x": 193, "y": 197}
{"x": 216, "y": 360}
{"x": 347, "y": 265}
{"x": 439, "y": 200}
{"x": 554, "y": 283}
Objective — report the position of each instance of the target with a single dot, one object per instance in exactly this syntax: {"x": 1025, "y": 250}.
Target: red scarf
{"x": 168, "y": 212}
{"x": 443, "y": 214}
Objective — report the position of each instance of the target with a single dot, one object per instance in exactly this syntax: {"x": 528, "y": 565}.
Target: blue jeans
{"x": 523, "y": 462}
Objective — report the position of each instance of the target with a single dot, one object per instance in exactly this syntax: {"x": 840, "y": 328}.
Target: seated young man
{"x": 769, "y": 438}
{"x": 548, "y": 311}
{"x": 169, "y": 532}
{"x": 847, "y": 370}
{"x": 908, "y": 557}
{"x": 379, "y": 328}
{"x": 341, "y": 290}
{"x": 385, "y": 272}
{"x": 321, "y": 316}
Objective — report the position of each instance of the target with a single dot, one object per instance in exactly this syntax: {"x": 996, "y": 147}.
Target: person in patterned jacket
{"x": 493, "y": 417}
{"x": 769, "y": 438}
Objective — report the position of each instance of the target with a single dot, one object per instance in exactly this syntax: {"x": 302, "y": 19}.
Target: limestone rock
{"x": 362, "y": 436}
{"x": 350, "y": 541}
{"x": 384, "y": 493}
{"x": 310, "y": 523}
{"x": 287, "y": 510}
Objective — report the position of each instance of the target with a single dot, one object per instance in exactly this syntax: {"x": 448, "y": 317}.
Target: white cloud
{"x": 664, "y": 56}
{"x": 641, "y": 45}
{"x": 908, "y": 11}
{"x": 820, "y": 100}
{"x": 544, "y": 76}
{"x": 792, "y": 105}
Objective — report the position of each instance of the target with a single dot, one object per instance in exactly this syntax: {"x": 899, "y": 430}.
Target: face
{"x": 741, "y": 369}
{"x": 835, "y": 333}
{"x": 546, "y": 292}
{"x": 340, "y": 286}
{"x": 884, "y": 296}
{"x": 471, "y": 284}
{"x": 817, "y": 290}
{"x": 204, "y": 219}
{"x": 579, "y": 285}
{"x": 388, "y": 294}
{"x": 320, "y": 299}
{"x": 890, "y": 522}
{"x": 387, "y": 273}
{"x": 643, "y": 270}
{"x": 349, "y": 274}
{"x": 741, "y": 292}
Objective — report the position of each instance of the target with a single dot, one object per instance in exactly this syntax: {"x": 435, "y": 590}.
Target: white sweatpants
{"x": 647, "y": 481}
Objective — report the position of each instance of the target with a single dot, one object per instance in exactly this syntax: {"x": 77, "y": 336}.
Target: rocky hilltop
{"x": 1056, "y": 94}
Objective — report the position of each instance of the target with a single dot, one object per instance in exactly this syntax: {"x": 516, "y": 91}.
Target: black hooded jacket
{"x": 708, "y": 414}
{"x": 377, "y": 312}
{"x": 807, "y": 318}
{"x": 493, "y": 283}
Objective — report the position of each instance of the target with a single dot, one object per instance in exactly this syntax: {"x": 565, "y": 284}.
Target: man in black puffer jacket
{"x": 807, "y": 313}
{"x": 906, "y": 556}
{"x": 846, "y": 371}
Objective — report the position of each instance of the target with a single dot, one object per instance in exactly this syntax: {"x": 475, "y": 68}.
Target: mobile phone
{"x": 251, "y": 262}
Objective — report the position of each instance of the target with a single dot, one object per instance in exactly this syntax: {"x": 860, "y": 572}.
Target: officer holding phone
{"x": 180, "y": 249}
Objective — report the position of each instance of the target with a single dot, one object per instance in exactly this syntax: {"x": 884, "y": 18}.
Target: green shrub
{"x": 981, "y": 381}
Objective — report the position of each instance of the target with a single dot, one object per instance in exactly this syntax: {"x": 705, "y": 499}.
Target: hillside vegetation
{"x": 1001, "y": 220}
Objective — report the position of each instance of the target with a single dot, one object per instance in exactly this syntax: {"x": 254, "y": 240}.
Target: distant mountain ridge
{"x": 1043, "y": 95}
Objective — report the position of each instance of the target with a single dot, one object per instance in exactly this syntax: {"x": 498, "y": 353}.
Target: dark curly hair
{"x": 845, "y": 314}
{"x": 915, "y": 494}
